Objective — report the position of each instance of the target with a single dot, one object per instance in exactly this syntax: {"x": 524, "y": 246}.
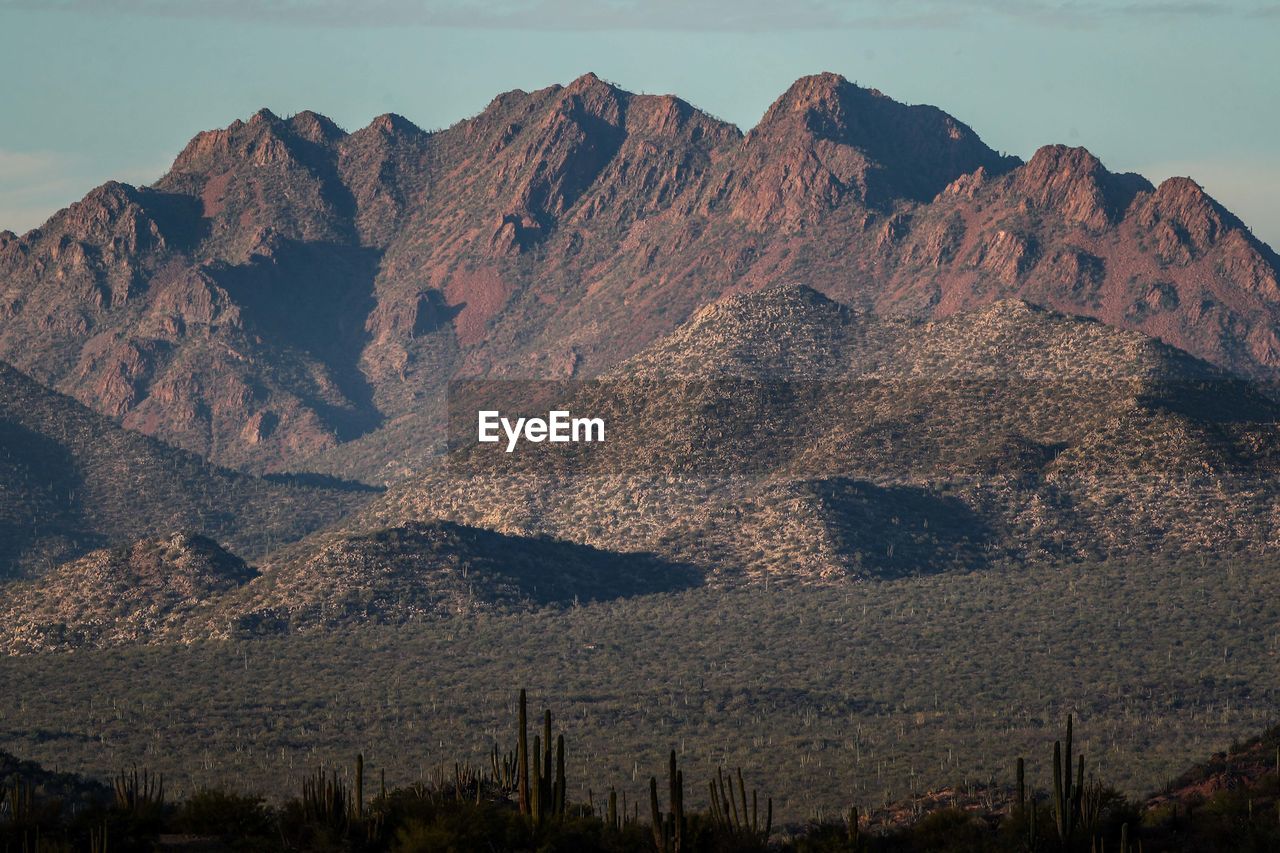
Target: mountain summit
{"x": 293, "y": 296}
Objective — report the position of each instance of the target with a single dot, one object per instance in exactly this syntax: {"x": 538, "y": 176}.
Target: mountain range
{"x": 291, "y": 296}
{"x": 852, "y": 344}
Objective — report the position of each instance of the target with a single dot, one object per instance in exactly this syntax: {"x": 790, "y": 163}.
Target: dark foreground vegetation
{"x": 857, "y": 695}
{"x": 520, "y": 801}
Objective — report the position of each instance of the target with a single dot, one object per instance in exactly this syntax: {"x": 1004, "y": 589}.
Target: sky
{"x": 112, "y": 89}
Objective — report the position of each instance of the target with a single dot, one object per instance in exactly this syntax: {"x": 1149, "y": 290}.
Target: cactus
{"x": 139, "y": 794}
{"x": 523, "y": 749}
{"x": 855, "y": 827}
{"x": 668, "y": 828}
{"x": 546, "y": 796}
{"x": 535, "y": 785}
{"x": 544, "y": 792}
{"x": 739, "y": 822}
{"x": 1025, "y": 807}
{"x": 326, "y": 801}
{"x": 98, "y": 839}
{"x": 19, "y": 800}
{"x": 503, "y": 770}
{"x": 1033, "y": 840}
{"x": 558, "y": 800}
{"x": 1066, "y": 795}
{"x": 359, "y": 800}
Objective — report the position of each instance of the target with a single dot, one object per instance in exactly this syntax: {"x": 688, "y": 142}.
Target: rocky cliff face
{"x": 292, "y": 295}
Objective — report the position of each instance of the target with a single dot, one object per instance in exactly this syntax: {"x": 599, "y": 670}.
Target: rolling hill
{"x": 781, "y": 437}
{"x": 72, "y": 481}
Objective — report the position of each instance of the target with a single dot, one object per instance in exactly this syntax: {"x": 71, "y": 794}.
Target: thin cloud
{"x": 670, "y": 15}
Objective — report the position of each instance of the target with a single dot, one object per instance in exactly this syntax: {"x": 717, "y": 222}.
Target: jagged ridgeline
{"x": 72, "y": 481}
{"x": 291, "y": 295}
{"x": 782, "y": 437}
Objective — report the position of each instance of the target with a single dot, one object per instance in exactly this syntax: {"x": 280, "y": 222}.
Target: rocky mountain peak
{"x": 820, "y": 93}
{"x": 872, "y": 146}
{"x": 316, "y": 128}
{"x": 264, "y": 116}
{"x": 559, "y": 232}
{"x": 392, "y": 124}
{"x": 590, "y": 82}
{"x": 1074, "y": 182}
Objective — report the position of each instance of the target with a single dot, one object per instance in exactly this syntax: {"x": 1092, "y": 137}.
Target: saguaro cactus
{"x": 543, "y": 789}
{"x": 1066, "y": 793}
{"x": 523, "y": 750}
{"x": 359, "y": 795}
{"x": 668, "y": 828}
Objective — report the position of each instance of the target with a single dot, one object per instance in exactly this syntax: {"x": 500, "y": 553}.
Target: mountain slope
{"x": 291, "y": 294}
{"x": 184, "y": 587}
{"x": 71, "y": 481}
{"x": 779, "y": 437}
{"x": 114, "y": 596}
{"x": 420, "y": 570}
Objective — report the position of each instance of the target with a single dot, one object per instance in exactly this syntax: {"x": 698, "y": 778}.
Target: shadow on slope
{"x": 416, "y": 571}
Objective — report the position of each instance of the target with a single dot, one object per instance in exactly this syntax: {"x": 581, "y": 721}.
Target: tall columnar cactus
{"x": 855, "y": 827}
{"x": 139, "y": 793}
{"x": 560, "y": 797}
{"x": 18, "y": 800}
{"x": 543, "y": 789}
{"x": 1026, "y": 807}
{"x": 546, "y": 796}
{"x": 98, "y": 839}
{"x": 359, "y": 796}
{"x": 326, "y": 801}
{"x": 729, "y": 808}
{"x": 536, "y": 804}
{"x": 1066, "y": 794}
{"x": 523, "y": 749}
{"x": 503, "y": 770}
{"x": 668, "y": 828}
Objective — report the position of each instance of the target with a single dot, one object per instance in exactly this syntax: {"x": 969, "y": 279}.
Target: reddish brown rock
{"x": 340, "y": 281}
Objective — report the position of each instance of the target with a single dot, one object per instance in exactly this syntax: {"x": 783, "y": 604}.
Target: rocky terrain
{"x": 72, "y": 481}
{"x": 290, "y": 295}
{"x": 421, "y": 570}
{"x": 119, "y": 595}
{"x": 777, "y": 439}
{"x": 780, "y": 437}
{"x": 986, "y": 362}
{"x": 185, "y": 587}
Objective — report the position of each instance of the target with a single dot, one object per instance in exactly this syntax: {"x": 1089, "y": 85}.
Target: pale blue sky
{"x": 98, "y": 89}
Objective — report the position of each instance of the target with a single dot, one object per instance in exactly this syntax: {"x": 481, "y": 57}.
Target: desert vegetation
{"x": 519, "y": 800}
{"x": 863, "y": 694}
